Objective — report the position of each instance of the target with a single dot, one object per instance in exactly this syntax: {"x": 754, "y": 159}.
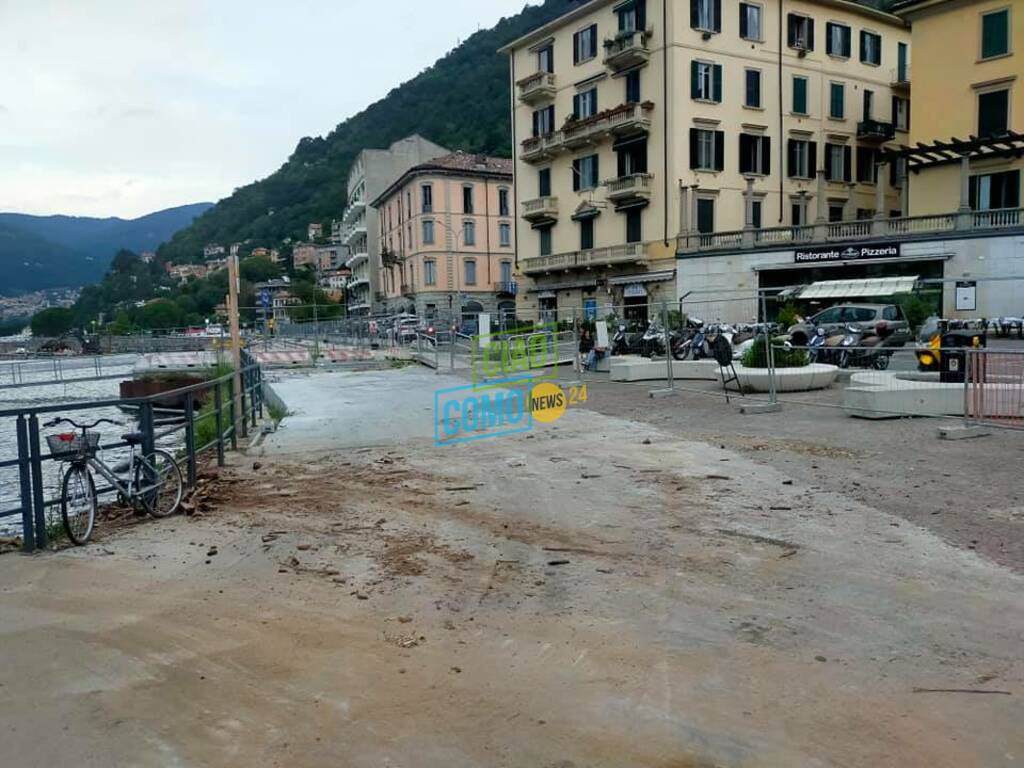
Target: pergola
{"x": 937, "y": 153}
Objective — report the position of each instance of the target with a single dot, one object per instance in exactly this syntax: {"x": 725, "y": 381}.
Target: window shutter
{"x": 694, "y": 14}
{"x": 536, "y": 123}
{"x": 743, "y": 20}
{"x": 847, "y": 163}
{"x": 576, "y": 110}
{"x": 863, "y": 38}
{"x": 766, "y": 153}
{"x": 810, "y": 34}
{"x": 693, "y": 147}
{"x": 719, "y": 150}
{"x": 791, "y": 33}
{"x": 716, "y": 77}
{"x": 576, "y": 48}
{"x": 694, "y": 81}
{"x": 847, "y": 41}
{"x": 597, "y": 170}
{"x": 812, "y": 158}
{"x": 895, "y": 108}
{"x": 576, "y": 175}
{"x": 828, "y": 161}
{"x": 791, "y": 157}
{"x": 641, "y": 15}
{"x": 717, "y": 21}
{"x": 829, "y": 32}
{"x": 745, "y": 154}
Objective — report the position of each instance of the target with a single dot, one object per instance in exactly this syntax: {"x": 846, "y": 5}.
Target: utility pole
{"x": 236, "y": 338}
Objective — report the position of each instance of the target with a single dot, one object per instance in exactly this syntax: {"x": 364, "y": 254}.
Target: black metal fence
{"x": 208, "y": 401}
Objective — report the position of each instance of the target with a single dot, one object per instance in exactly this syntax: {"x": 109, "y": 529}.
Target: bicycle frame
{"x": 126, "y": 487}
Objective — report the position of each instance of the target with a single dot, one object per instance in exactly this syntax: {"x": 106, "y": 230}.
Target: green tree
{"x": 161, "y": 314}
{"x": 53, "y": 321}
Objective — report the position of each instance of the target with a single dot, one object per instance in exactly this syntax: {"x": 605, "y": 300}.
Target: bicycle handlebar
{"x": 76, "y": 425}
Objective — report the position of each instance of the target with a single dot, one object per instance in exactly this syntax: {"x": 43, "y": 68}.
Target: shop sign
{"x": 635, "y": 291}
{"x": 847, "y": 253}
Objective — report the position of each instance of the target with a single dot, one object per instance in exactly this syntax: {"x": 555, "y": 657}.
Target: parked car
{"x": 864, "y": 316}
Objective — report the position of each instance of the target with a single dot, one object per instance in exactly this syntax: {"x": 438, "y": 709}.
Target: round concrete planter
{"x": 813, "y": 376}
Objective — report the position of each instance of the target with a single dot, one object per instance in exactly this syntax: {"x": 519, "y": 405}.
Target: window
{"x": 867, "y": 165}
{"x": 901, "y": 113}
{"x": 506, "y": 271}
{"x": 468, "y": 233}
{"x": 869, "y": 104}
{"x": 750, "y": 21}
{"x": 427, "y": 198}
{"x": 993, "y": 113}
{"x": 633, "y": 87}
{"x": 706, "y": 15}
{"x": 902, "y": 63}
{"x": 706, "y": 215}
{"x": 837, "y": 162}
{"x": 633, "y": 17}
{"x": 800, "y": 32}
{"x": 545, "y": 241}
{"x": 631, "y": 155}
{"x": 753, "y": 88}
{"x": 504, "y": 235}
{"x": 467, "y": 198}
{"x": 705, "y": 81}
{"x": 584, "y": 173}
{"x": 707, "y": 149}
{"x": 546, "y": 59}
{"x": 470, "y": 267}
{"x": 544, "y": 182}
{"x": 799, "y": 95}
{"x": 634, "y": 225}
{"x": 838, "y": 40}
{"x": 870, "y": 48}
{"x": 503, "y": 202}
{"x": 995, "y": 33}
{"x": 755, "y": 154}
{"x": 586, "y": 234}
{"x": 584, "y": 44}
{"x": 863, "y": 214}
{"x": 837, "y": 101}
{"x": 995, "y": 190}
{"x": 836, "y": 213}
{"x": 428, "y": 232}
{"x": 584, "y": 104}
{"x": 798, "y": 211}
{"x": 544, "y": 121}
{"x": 802, "y": 158}
{"x": 756, "y": 209}
{"x": 430, "y": 272}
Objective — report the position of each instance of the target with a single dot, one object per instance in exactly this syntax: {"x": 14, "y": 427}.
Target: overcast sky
{"x": 124, "y": 107}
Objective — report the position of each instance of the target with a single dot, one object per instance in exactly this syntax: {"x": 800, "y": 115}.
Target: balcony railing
{"x": 507, "y": 287}
{"x": 846, "y": 231}
{"x": 538, "y": 87}
{"x": 627, "y": 49}
{"x": 632, "y": 187}
{"x": 359, "y": 282}
{"x": 633, "y": 253}
{"x": 353, "y": 210}
{"x": 900, "y": 78}
{"x": 354, "y": 234}
{"x": 356, "y": 258}
{"x": 540, "y": 209}
{"x": 876, "y": 130}
{"x": 624, "y": 119}
{"x": 407, "y": 289}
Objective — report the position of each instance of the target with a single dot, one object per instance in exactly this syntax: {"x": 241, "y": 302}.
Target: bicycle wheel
{"x": 159, "y": 484}
{"x": 78, "y": 504}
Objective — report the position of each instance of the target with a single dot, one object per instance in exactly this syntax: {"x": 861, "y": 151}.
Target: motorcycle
{"x": 624, "y": 343}
{"x": 652, "y": 343}
{"x": 865, "y": 349}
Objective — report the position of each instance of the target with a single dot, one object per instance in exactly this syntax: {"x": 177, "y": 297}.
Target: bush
{"x": 756, "y": 356}
{"x": 789, "y": 315}
{"x": 916, "y": 309}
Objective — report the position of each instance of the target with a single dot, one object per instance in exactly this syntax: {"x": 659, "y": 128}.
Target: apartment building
{"x": 446, "y": 232}
{"x": 640, "y": 126}
{"x": 358, "y": 230}
{"x": 305, "y": 255}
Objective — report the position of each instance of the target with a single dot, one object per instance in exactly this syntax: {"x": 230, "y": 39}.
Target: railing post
{"x": 146, "y": 427}
{"x": 231, "y": 414}
{"x": 190, "y": 438}
{"x": 28, "y": 538}
{"x": 38, "y": 504}
{"x": 243, "y": 422}
{"x": 218, "y": 404}
{"x": 252, "y": 396}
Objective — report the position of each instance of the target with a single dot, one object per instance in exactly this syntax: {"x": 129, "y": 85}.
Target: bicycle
{"x": 153, "y": 481}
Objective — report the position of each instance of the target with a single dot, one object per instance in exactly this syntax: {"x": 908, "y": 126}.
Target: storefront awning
{"x": 537, "y": 288}
{"x": 643, "y": 277}
{"x": 845, "y": 289}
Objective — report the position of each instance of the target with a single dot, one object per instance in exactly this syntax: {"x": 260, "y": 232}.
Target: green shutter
{"x": 800, "y": 95}
{"x": 716, "y": 77}
{"x": 694, "y": 88}
{"x": 994, "y": 34}
{"x": 837, "y": 108}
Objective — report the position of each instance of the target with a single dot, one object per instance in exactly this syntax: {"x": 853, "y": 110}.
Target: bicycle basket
{"x": 69, "y": 446}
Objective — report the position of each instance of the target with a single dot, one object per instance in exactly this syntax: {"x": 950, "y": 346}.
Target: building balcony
{"x": 352, "y": 235}
{"x": 540, "y": 209}
{"x": 506, "y": 288}
{"x": 622, "y": 120}
{"x": 358, "y": 284}
{"x": 408, "y": 290}
{"x": 632, "y": 253}
{"x": 360, "y": 307}
{"x": 356, "y": 259}
{"x": 899, "y": 79}
{"x": 351, "y": 213}
{"x": 625, "y": 50}
{"x": 538, "y": 87}
{"x": 629, "y": 189}
{"x": 875, "y": 130}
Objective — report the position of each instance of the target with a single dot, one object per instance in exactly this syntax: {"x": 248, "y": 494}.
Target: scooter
{"x": 625, "y": 343}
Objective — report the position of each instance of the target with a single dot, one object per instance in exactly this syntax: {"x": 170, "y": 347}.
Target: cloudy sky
{"x": 123, "y": 107}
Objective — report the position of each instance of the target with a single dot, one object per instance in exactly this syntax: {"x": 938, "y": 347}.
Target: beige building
{"x": 305, "y": 255}
{"x": 641, "y": 126}
{"x": 446, "y": 232}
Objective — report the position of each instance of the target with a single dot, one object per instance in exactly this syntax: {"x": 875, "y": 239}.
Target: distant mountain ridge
{"x": 69, "y": 251}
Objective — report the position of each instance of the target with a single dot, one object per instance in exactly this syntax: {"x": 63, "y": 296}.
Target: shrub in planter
{"x": 756, "y": 356}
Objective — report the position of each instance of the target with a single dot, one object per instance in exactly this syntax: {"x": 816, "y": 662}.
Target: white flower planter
{"x": 813, "y": 376}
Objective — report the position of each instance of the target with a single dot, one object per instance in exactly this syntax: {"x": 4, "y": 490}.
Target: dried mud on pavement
{"x": 597, "y": 593}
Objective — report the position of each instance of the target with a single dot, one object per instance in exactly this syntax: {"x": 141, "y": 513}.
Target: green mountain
{"x": 461, "y": 102}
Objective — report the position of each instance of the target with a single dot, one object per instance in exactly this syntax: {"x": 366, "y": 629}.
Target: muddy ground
{"x": 601, "y": 592}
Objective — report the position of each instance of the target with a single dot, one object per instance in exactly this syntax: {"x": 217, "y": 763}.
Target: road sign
{"x": 265, "y": 299}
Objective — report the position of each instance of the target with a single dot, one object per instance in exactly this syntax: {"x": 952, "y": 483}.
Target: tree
{"x": 258, "y": 269}
{"x": 124, "y": 262}
{"x": 161, "y": 314}
{"x": 53, "y": 321}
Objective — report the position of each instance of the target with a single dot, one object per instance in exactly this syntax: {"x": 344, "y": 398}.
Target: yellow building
{"x": 642, "y": 127}
{"x": 968, "y": 82}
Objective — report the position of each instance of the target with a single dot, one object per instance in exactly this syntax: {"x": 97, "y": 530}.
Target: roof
{"x": 457, "y": 163}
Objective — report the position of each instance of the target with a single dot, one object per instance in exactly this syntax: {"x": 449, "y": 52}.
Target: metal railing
{"x": 30, "y": 460}
{"x": 994, "y": 392}
{"x": 626, "y": 116}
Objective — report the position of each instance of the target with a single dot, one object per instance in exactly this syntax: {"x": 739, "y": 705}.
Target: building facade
{"x": 358, "y": 230}
{"x": 305, "y": 255}
{"x": 638, "y": 123}
{"x": 446, "y": 233}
